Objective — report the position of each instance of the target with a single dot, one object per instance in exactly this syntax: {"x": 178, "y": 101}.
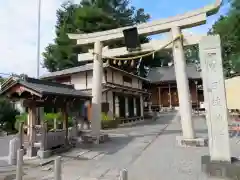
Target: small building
{"x": 122, "y": 92}
{"x": 34, "y": 94}
{"x": 163, "y": 87}
{"x": 232, "y": 86}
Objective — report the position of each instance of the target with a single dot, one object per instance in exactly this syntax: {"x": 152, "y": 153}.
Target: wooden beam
{"x": 20, "y": 89}
{"x": 187, "y": 20}
{"x": 147, "y": 47}
{"x": 29, "y": 103}
{"x": 49, "y": 102}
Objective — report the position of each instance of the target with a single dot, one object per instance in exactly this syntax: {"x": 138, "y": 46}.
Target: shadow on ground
{"x": 121, "y": 137}
{"x": 112, "y": 146}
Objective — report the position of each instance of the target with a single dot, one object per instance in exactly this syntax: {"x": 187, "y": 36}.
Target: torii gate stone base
{"x": 219, "y": 163}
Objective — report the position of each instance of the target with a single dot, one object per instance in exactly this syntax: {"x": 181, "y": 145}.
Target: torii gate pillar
{"x": 97, "y": 90}
{"x": 188, "y": 137}
{"x": 182, "y": 86}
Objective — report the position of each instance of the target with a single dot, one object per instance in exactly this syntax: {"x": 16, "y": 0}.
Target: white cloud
{"x": 18, "y": 33}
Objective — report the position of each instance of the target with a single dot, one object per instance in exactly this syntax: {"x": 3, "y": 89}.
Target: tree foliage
{"x": 228, "y": 27}
{"x": 87, "y": 17}
{"x": 7, "y": 115}
{"x": 1, "y": 80}
{"x": 7, "y": 112}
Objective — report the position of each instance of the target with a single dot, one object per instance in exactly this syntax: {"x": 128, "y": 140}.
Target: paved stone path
{"x": 166, "y": 160}
{"x": 149, "y": 152}
{"x": 104, "y": 161}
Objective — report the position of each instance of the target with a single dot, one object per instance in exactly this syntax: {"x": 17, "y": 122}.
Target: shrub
{"x": 107, "y": 122}
{"x": 21, "y": 118}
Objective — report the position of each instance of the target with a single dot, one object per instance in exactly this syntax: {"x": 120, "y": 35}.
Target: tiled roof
{"x": 83, "y": 68}
{"x": 163, "y": 74}
{"x": 45, "y": 87}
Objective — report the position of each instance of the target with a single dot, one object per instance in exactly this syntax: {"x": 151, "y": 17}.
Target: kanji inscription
{"x": 214, "y": 92}
{"x": 216, "y": 101}
{"x": 211, "y": 61}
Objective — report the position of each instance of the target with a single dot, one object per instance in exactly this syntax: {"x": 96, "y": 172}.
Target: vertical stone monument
{"x": 220, "y": 162}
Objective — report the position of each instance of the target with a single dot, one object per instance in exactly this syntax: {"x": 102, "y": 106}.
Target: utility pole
{"x": 38, "y": 37}
{"x": 39, "y": 110}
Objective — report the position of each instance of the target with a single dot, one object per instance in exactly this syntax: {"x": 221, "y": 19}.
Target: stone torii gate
{"x": 211, "y": 63}
{"x": 173, "y": 25}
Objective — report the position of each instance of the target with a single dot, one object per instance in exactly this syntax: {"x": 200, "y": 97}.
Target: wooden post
{"x": 126, "y": 107}
{"x": 20, "y": 132}
{"x": 170, "y": 95}
{"x": 65, "y": 121}
{"x": 44, "y": 136}
{"x": 32, "y": 131}
{"x": 197, "y": 101}
{"x": 116, "y": 99}
{"x": 55, "y": 124}
{"x": 141, "y": 106}
{"x": 159, "y": 97}
{"x": 134, "y": 106}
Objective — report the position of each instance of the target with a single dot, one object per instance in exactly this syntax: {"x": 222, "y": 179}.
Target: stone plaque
{"x": 215, "y": 98}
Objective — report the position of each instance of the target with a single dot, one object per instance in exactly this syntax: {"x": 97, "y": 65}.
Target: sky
{"x": 18, "y": 32}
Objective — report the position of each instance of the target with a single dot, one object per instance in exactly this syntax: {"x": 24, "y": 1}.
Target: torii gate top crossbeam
{"x": 187, "y": 20}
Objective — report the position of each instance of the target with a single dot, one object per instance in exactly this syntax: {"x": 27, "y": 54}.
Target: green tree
{"x": 7, "y": 112}
{"x": 7, "y": 115}
{"x": 228, "y": 28}
{"x": 87, "y": 17}
{"x": 1, "y": 80}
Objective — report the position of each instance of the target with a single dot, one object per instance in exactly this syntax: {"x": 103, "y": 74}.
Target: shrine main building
{"x": 127, "y": 95}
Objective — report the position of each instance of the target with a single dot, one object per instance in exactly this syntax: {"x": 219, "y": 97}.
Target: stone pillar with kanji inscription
{"x": 219, "y": 163}
{"x": 215, "y": 98}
